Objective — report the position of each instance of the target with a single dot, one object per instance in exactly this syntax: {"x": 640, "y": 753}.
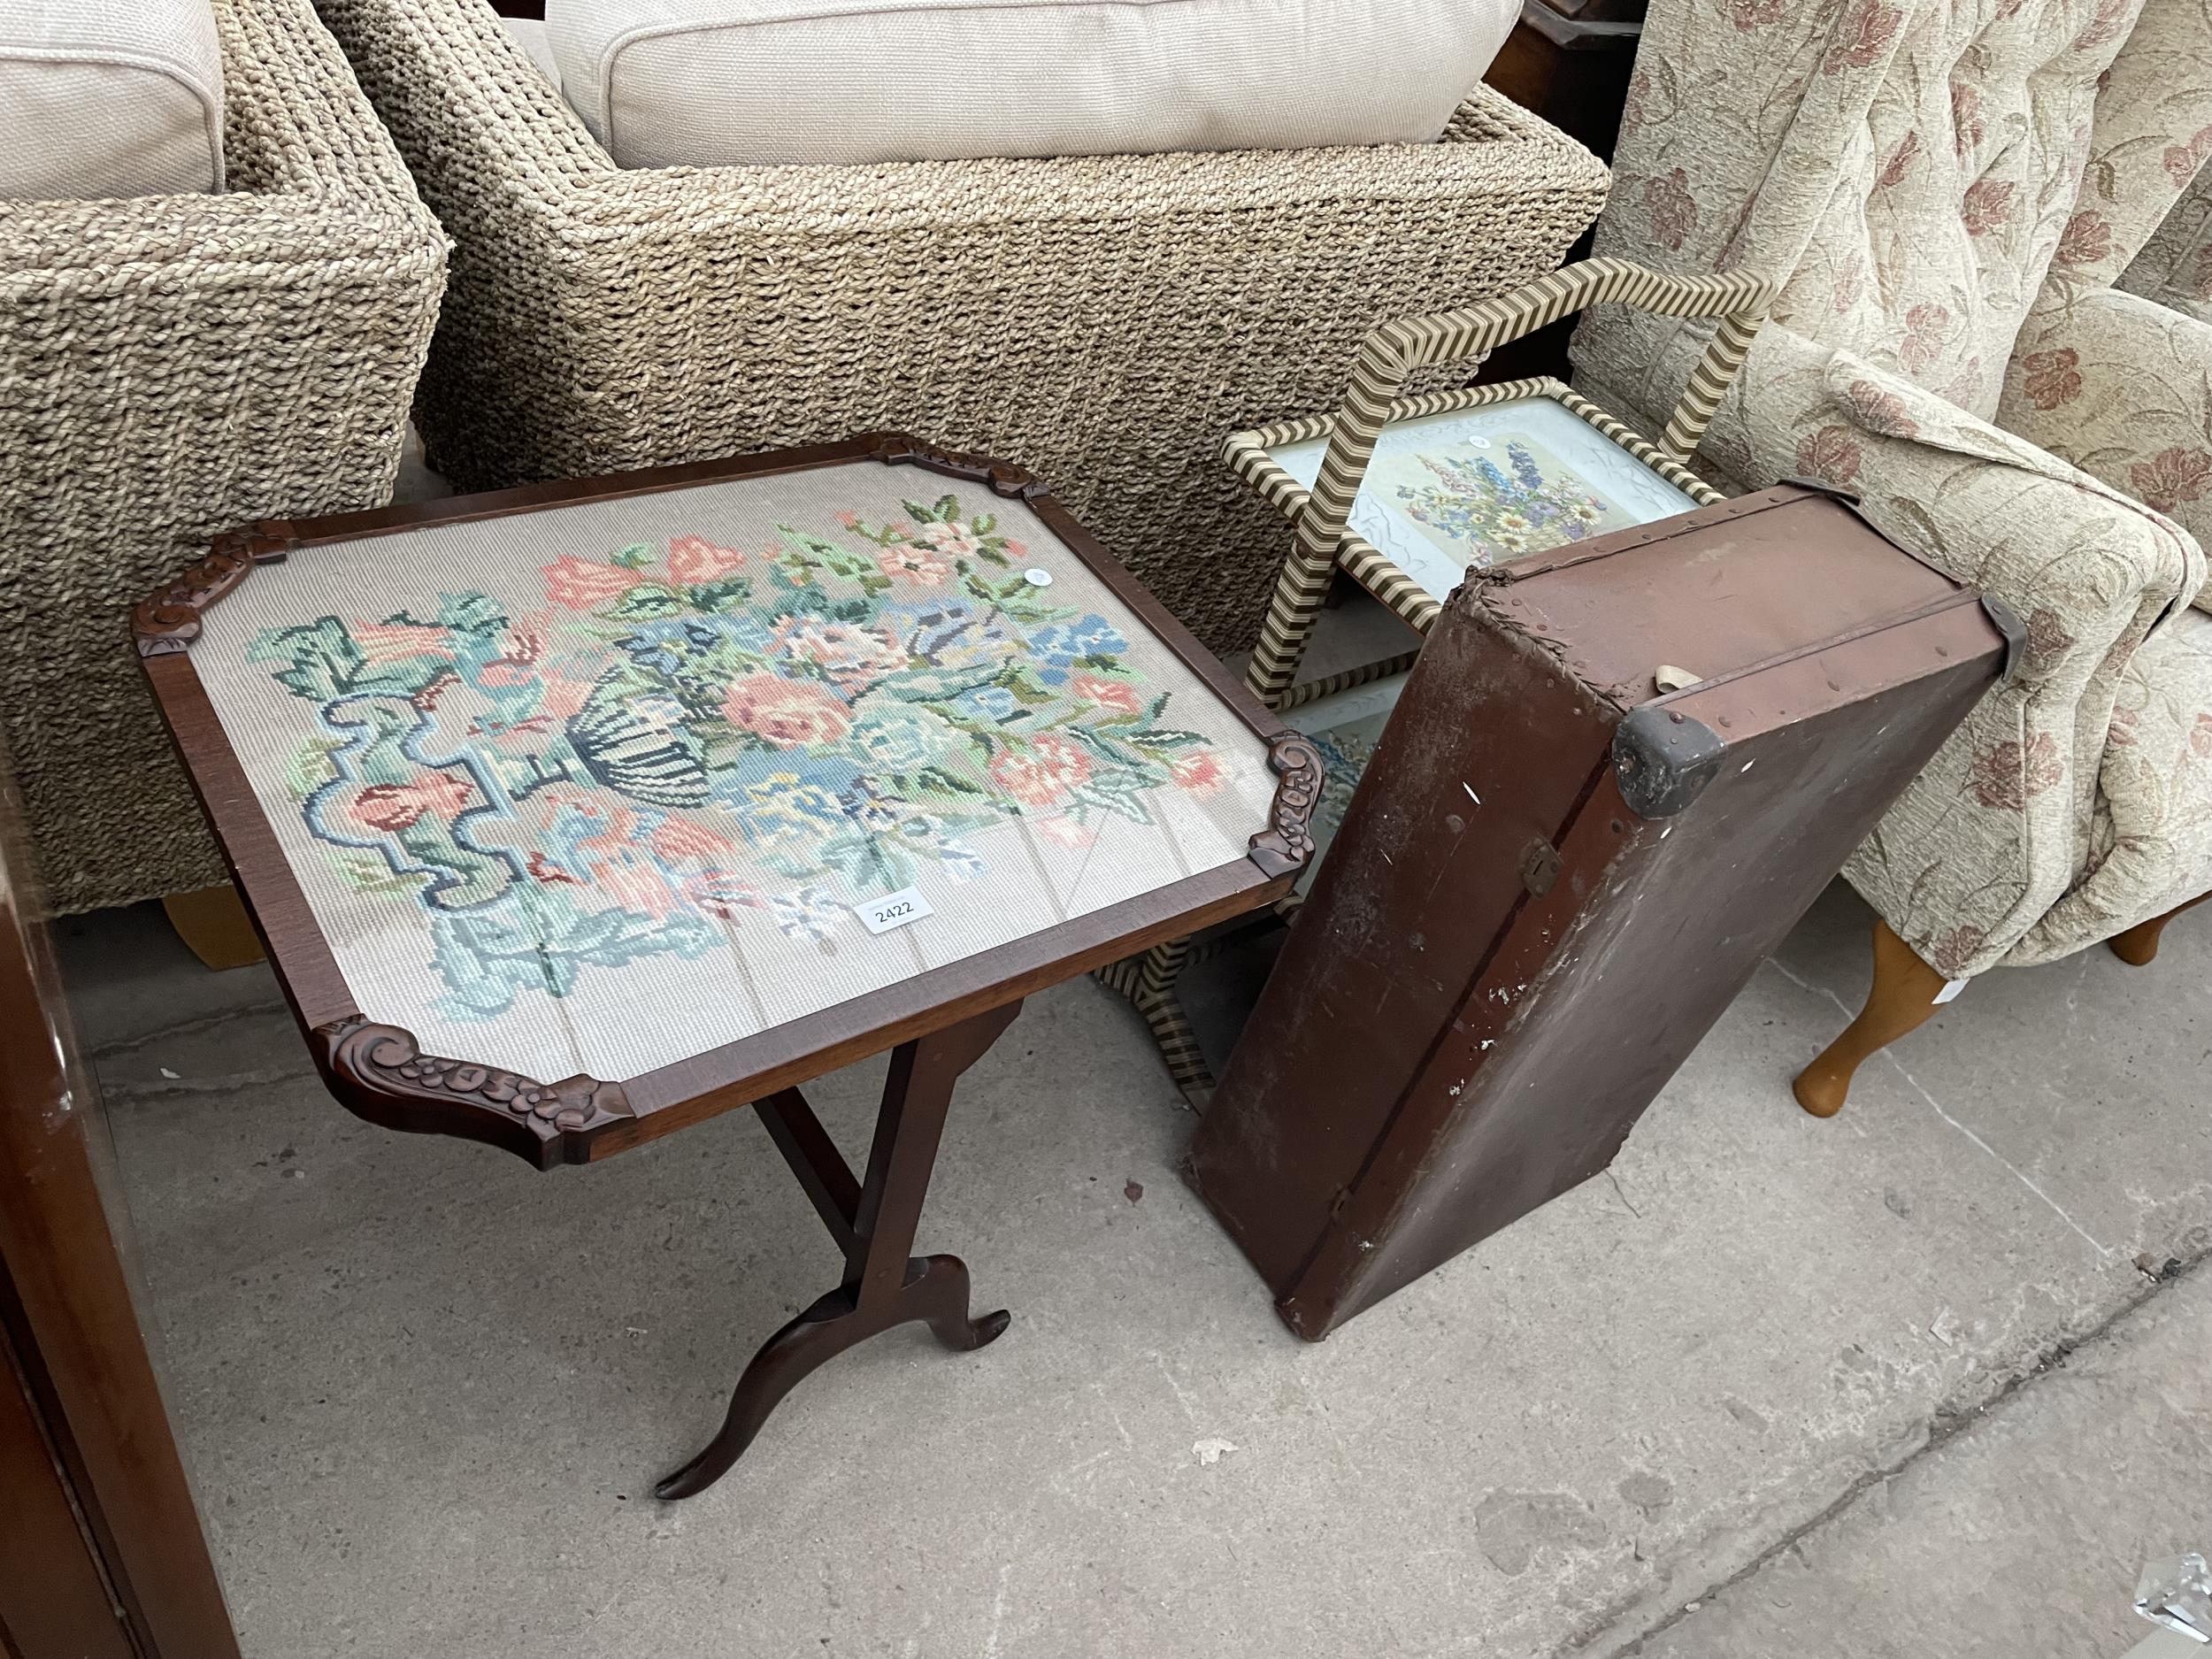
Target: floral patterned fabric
{"x": 2123, "y": 388}
{"x": 1950, "y": 189}
{"x": 677, "y": 740}
{"x": 2175, "y": 267}
{"x": 2151, "y": 838}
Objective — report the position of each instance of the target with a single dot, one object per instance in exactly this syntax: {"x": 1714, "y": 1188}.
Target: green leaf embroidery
{"x": 646, "y": 601}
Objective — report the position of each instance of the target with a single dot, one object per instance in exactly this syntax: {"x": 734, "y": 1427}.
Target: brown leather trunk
{"x": 1553, "y": 878}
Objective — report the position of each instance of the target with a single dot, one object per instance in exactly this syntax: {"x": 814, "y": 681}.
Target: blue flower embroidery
{"x": 784, "y": 811}
{"x": 1063, "y": 644}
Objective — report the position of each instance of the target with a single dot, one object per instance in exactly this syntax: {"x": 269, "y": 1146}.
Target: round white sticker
{"x": 1037, "y": 578}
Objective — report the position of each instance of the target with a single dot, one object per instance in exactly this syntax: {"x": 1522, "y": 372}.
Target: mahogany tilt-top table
{"x": 575, "y": 814}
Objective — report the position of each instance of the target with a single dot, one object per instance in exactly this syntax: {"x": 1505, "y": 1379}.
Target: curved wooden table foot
{"x": 935, "y": 1294}
{"x": 873, "y": 1222}
{"x": 940, "y": 1292}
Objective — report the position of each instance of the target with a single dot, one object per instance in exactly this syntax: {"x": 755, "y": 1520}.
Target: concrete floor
{"x": 424, "y": 1389}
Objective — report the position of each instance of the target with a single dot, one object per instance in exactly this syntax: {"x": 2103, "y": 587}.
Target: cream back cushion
{"x": 731, "y": 82}
{"x": 109, "y": 98}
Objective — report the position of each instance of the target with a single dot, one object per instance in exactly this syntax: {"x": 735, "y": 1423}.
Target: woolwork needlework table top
{"x": 594, "y": 790}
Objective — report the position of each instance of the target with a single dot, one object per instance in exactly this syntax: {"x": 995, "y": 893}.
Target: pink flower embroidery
{"x": 917, "y": 566}
{"x": 392, "y": 641}
{"x": 1118, "y": 695}
{"x": 1968, "y": 129}
{"x": 1927, "y": 330}
{"x": 1862, "y": 35}
{"x": 2172, "y": 477}
{"x": 954, "y": 541}
{"x": 2087, "y": 239}
{"x": 787, "y": 713}
{"x": 1880, "y": 410}
{"x": 2047, "y": 640}
{"x": 1829, "y": 454}
{"x": 2121, "y": 733}
{"x": 678, "y": 840}
{"x": 545, "y": 872}
{"x": 2006, "y": 778}
{"x": 1893, "y": 170}
{"x": 1752, "y": 14}
{"x": 1948, "y": 952}
{"x": 2201, "y": 737}
{"x": 2112, "y": 19}
{"x": 2181, "y": 161}
{"x": 580, "y": 585}
{"x": 1636, "y": 109}
{"x": 1198, "y": 771}
{"x": 516, "y": 663}
{"x": 1044, "y": 774}
{"x": 561, "y": 694}
{"x": 2052, "y": 377}
{"x": 636, "y": 884}
{"x": 1673, "y": 209}
{"x": 393, "y": 807}
{"x": 1965, "y": 388}
{"x": 693, "y": 558}
{"x": 1987, "y": 205}
{"x": 851, "y": 655}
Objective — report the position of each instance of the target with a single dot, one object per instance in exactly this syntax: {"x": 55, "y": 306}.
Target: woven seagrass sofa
{"x": 174, "y": 365}
{"x": 1100, "y": 319}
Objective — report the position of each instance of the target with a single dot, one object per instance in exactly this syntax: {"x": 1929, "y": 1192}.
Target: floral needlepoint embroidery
{"x": 1482, "y": 513}
{"x": 690, "y": 737}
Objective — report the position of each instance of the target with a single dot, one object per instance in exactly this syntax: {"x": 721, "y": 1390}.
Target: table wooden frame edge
{"x": 380, "y": 1072}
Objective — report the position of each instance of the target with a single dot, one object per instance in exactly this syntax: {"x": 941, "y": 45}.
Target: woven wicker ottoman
{"x": 176, "y": 364}
{"x": 1100, "y": 319}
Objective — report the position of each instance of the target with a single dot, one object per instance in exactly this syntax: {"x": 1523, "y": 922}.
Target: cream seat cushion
{"x": 732, "y": 82}
{"x": 109, "y": 98}
{"x": 531, "y": 32}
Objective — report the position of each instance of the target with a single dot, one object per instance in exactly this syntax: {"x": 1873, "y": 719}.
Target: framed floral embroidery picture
{"x": 1476, "y": 486}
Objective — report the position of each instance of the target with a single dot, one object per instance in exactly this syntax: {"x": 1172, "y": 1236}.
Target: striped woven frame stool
{"x": 1404, "y": 494}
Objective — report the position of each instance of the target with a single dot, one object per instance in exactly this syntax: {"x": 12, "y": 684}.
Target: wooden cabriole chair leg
{"x": 2138, "y": 946}
{"x": 1902, "y": 998}
{"x": 214, "y": 926}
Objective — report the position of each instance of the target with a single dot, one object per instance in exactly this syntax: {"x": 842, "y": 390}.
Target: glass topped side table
{"x": 576, "y": 814}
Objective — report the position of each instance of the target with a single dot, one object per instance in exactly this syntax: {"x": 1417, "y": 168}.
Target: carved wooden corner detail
{"x": 169, "y": 620}
{"x": 1287, "y": 843}
{"x": 1004, "y": 478}
{"x": 382, "y": 1072}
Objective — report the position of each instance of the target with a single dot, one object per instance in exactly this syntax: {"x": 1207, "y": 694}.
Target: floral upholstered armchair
{"x": 1950, "y": 190}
